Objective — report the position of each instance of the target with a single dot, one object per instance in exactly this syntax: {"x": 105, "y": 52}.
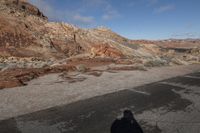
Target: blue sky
{"x": 134, "y": 19}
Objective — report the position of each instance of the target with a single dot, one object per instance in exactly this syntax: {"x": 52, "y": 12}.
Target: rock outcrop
{"x": 106, "y": 51}
{"x": 29, "y": 41}
{"x": 26, "y": 32}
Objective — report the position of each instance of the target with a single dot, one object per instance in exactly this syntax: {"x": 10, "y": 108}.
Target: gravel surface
{"x": 52, "y": 90}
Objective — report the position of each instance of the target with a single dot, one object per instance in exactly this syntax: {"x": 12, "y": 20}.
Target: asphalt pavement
{"x": 169, "y": 106}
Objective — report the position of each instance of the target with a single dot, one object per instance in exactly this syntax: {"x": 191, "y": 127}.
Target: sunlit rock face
{"x": 25, "y": 32}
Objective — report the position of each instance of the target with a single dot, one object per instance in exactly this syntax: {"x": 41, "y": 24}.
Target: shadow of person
{"x": 127, "y": 124}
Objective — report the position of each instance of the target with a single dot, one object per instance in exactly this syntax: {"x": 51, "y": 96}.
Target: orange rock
{"x": 106, "y": 51}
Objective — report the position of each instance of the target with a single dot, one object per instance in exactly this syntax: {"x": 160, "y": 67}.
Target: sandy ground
{"x": 52, "y": 90}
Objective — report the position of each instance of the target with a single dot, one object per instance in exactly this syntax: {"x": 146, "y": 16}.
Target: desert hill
{"x": 29, "y": 42}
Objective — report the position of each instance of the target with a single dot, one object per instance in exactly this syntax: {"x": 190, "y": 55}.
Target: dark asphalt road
{"x": 170, "y": 106}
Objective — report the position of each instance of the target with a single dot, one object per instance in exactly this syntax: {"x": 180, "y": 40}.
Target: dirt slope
{"x": 28, "y": 41}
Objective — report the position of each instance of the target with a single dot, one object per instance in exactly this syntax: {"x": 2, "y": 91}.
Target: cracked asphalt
{"x": 169, "y": 106}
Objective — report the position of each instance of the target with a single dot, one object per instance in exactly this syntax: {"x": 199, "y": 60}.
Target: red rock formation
{"x": 106, "y": 51}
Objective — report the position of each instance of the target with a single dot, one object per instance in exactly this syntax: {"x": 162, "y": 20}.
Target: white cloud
{"x": 185, "y": 35}
{"x": 131, "y": 4}
{"x": 108, "y": 11}
{"x": 110, "y": 14}
{"x": 164, "y": 8}
{"x": 83, "y": 19}
{"x": 75, "y": 16}
{"x": 44, "y": 7}
{"x": 152, "y": 2}
{"x": 95, "y": 3}
{"x": 71, "y": 16}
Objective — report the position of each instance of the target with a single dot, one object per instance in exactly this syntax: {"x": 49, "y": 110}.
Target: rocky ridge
{"x": 29, "y": 41}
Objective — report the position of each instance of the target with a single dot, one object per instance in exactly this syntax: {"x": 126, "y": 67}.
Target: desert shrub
{"x": 155, "y": 63}
{"x": 140, "y": 67}
{"x": 167, "y": 59}
{"x": 2, "y": 65}
{"x": 133, "y": 46}
{"x": 81, "y": 68}
{"x": 178, "y": 62}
